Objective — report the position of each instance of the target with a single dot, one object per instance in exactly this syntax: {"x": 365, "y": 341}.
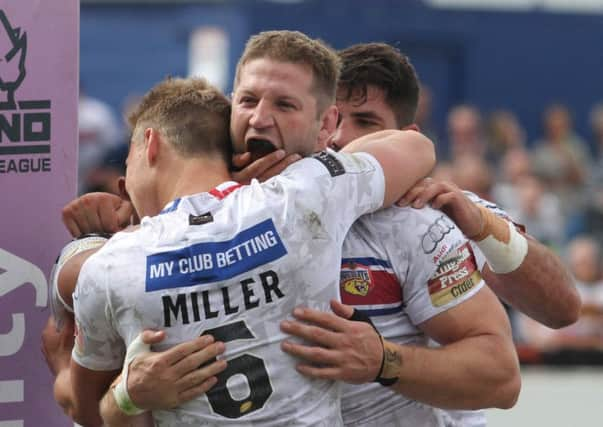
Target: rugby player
{"x": 450, "y": 308}
{"x": 379, "y": 90}
{"x": 155, "y": 153}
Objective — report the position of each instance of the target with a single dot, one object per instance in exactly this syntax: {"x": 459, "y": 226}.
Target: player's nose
{"x": 262, "y": 116}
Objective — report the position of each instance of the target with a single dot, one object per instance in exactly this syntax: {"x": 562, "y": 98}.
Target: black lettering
{"x": 170, "y": 308}
{"x": 12, "y": 166}
{"x": 13, "y": 129}
{"x": 248, "y": 293}
{"x": 207, "y": 307}
{"x": 270, "y": 283}
{"x": 46, "y": 164}
{"x": 30, "y": 133}
{"x": 196, "y": 315}
{"x": 227, "y": 307}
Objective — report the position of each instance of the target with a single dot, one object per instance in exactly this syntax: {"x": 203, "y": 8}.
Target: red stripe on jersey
{"x": 221, "y": 194}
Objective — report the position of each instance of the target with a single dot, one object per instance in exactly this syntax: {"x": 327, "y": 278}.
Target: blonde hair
{"x": 193, "y": 115}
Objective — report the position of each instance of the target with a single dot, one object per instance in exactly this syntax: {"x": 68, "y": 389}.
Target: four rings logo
{"x": 435, "y": 233}
{"x": 24, "y": 124}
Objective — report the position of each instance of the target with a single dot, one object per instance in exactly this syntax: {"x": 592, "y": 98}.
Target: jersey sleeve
{"x": 441, "y": 270}
{"x": 334, "y": 189}
{"x": 98, "y": 346}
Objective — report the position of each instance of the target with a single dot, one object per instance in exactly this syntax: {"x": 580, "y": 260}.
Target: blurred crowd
{"x": 553, "y": 186}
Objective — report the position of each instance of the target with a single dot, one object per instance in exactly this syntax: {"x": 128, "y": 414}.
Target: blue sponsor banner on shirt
{"x": 215, "y": 261}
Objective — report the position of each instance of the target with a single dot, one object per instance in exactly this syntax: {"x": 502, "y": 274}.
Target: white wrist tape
{"x": 120, "y": 391}
{"x": 504, "y": 257}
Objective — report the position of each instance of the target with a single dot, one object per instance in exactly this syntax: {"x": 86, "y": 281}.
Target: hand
{"x": 263, "y": 168}
{"x": 448, "y": 198}
{"x": 175, "y": 372}
{"x": 346, "y": 350}
{"x": 97, "y": 213}
{"x": 56, "y": 346}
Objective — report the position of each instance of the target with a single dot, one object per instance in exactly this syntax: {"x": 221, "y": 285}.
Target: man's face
{"x": 273, "y": 103}
{"x": 358, "y": 119}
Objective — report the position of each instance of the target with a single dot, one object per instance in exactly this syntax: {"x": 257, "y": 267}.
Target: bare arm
{"x": 114, "y": 417}
{"x": 476, "y": 367}
{"x": 406, "y": 156}
{"x": 540, "y": 287}
{"x": 88, "y": 387}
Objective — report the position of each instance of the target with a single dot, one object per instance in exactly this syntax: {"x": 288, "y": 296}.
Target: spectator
{"x": 560, "y": 159}
{"x": 98, "y": 133}
{"x": 465, "y": 133}
{"x": 585, "y": 262}
{"x": 504, "y": 133}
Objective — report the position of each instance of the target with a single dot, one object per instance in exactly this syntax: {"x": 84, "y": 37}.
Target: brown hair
{"x": 297, "y": 48}
{"x": 382, "y": 66}
{"x": 193, "y": 115}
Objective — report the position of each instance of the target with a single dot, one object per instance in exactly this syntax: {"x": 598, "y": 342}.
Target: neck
{"x": 186, "y": 177}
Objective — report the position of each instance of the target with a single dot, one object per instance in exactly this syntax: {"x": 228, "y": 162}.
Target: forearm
{"x": 477, "y": 372}
{"x": 114, "y": 417}
{"x": 540, "y": 287}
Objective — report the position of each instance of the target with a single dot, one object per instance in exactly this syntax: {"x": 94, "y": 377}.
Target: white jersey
{"x": 234, "y": 267}
{"x": 402, "y": 266}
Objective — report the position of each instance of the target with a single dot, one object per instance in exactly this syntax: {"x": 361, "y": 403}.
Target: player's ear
{"x": 151, "y": 141}
{"x": 328, "y": 124}
{"x": 121, "y": 185}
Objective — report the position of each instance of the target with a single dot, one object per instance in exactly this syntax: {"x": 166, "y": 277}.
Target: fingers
{"x": 328, "y": 373}
{"x": 258, "y": 167}
{"x": 279, "y": 167}
{"x": 94, "y": 212}
{"x": 315, "y": 355}
{"x": 192, "y": 362}
{"x": 180, "y": 351}
{"x": 197, "y": 391}
{"x": 411, "y": 195}
{"x": 320, "y": 318}
{"x": 342, "y": 310}
{"x": 124, "y": 214}
{"x": 198, "y": 376}
{"x": 152, "y": 337}
{"x": 311, "y": 333}
{"x": 239, "y": 161}
{"x": 68, "y": 217}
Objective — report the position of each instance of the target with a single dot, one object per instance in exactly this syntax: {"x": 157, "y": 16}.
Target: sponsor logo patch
{"x": 435, "y": 234}
{"x": 331, "y": 162}
{"x": 210, "y": 262}
{"x": 356, "y": 279}
{"x": 457, "y": 273}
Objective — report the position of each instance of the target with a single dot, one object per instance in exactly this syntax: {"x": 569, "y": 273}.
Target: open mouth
{"x": 259, "y": 148}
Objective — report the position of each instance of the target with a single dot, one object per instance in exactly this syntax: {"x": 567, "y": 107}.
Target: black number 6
{"x": 252, "y": 367}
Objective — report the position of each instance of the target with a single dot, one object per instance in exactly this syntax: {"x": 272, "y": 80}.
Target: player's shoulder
{"x": 408, "y": 220}
{"x": 333, "y": 164}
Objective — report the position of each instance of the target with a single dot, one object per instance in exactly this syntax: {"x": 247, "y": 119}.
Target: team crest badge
{"x": 355, "y": 279}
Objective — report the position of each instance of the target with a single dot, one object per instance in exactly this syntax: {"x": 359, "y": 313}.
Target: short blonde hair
{"x": 193, "y": 115}
{"x": 297, "y": 48}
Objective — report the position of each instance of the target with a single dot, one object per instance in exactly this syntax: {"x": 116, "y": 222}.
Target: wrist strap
{"x": 359, "y": 316}
{"x": 502, "y": 245}
{"x": 120, "y": 391}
